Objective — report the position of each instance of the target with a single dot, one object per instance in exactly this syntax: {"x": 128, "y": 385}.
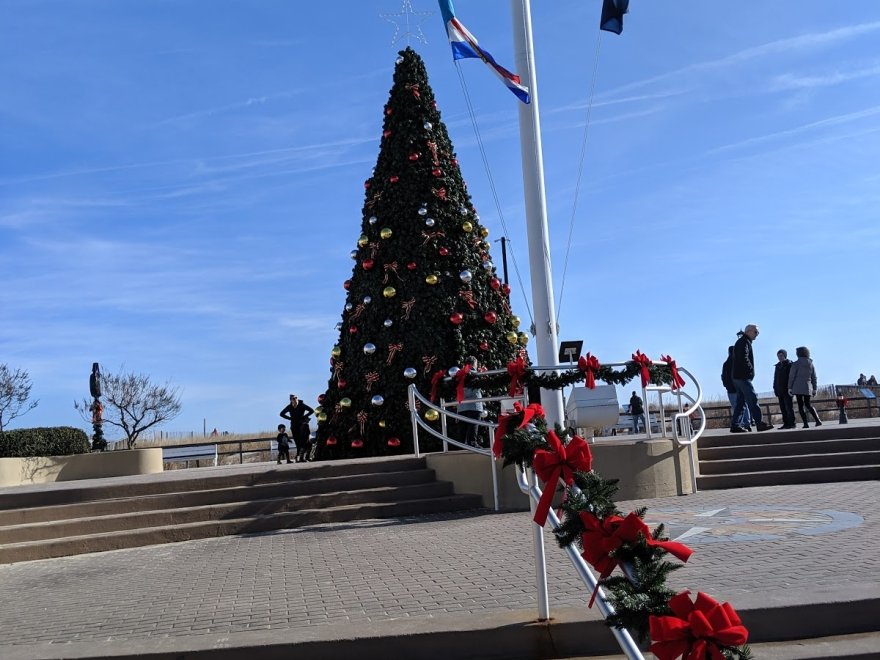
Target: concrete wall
{"x": 43, "y": 469}
{"x": 469, "y": 473}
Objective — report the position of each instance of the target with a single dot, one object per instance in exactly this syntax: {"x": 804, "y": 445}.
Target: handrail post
{"x": 540, "y": 558}
{"x": 443, "y": 422}
{"x": 413, "y": 415}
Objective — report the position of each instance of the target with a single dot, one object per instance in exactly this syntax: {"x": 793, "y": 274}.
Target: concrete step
{"x": 182, "y": 515}
{"x": 31, "y": 550}
{"x": 861, "y": 646}
{"x": 827, "y": 431}
{"x": 796, "y": 462}
{"x": 787, "y": 477}
{"x": 221, "y": 494}
{"x": 785, "y": 448}
{"x": 200, "y": 479}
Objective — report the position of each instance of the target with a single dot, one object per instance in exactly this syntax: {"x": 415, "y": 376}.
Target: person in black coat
{"x": 298, "y": 414}
{"x": 743, "y": 372}
{"x": 780, "y": 388}
{"x": 745, "y": 420}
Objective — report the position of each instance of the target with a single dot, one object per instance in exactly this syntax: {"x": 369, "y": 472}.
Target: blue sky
{"x": 181, "y": 184}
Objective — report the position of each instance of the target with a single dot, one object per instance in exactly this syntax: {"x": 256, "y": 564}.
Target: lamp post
{"x": 97, "y": 409}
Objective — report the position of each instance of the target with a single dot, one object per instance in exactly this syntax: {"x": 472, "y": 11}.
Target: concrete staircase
{"x": 830, "y": 453}
{"x": 182, "y": 505}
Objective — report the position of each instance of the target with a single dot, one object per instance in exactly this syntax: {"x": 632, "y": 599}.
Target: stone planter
{"x": 44, "y": 469}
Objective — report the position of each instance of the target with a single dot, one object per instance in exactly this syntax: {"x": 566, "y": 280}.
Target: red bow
{"x": 697, "y": 629}
{"x": 602, "y": 537}
{"x": 435, "y": 383}
{"x": 459, "y": 382}
{"x": 644, "y": 362}
{"x": 559, "y": 462}
{"x": 516, "y": 370}
{"x": 589, "y": 365}
{"x": 531, "y": 411}
{"x": 677, "y": 380}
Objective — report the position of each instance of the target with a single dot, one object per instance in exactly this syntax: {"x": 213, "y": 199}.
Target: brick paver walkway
{"x": 752, "y": 546}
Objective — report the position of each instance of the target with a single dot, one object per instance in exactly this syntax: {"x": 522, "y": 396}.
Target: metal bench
{"x": 187, "y": 454}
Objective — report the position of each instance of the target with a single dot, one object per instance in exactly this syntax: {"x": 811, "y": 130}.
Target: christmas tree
{"x": 423, "y": 294}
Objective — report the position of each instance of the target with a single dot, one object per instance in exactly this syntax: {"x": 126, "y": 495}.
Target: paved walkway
{"x": 753, "y": 546}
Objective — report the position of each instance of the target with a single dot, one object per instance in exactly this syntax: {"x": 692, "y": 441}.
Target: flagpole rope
{"x": 473, "y": 117}
{"x": 577, "y": 187}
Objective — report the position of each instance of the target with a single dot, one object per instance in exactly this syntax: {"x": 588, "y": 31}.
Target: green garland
{"x": 642, "y": 592}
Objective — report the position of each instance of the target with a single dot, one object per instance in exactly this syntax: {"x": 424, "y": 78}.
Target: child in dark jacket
{"x": 283, "y": 441}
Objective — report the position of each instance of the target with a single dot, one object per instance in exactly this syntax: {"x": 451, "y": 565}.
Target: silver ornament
{"x": 339, "y": 326}
{"x": 388, "y": 323}
{"x": 348, "y": 307}
{"x": 463, "y": 210}
{"x": 465, "y": 276}
{"x": 452, "y": 372}
{"x": 476, "y": 217}
{"x": 428, "y": 126}
{"x": 429, "y": 222}
{"x": 373, "y": 220}
{"x": 399, "y": 59}
{"x": 353, "y": 254}
{"x": 488, "y": 265}
{"x": 369, "y": 349}
{"x": 377, "y": 400}
{"x": 367, "y": 300}
{"x": 423, "y": 210}
{"x": 410, "y": 373}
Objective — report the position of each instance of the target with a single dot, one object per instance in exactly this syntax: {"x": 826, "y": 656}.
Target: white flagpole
{"x": 536, "y": 207}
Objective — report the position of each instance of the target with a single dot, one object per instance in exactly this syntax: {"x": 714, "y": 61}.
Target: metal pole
{"x": 536, "y": 207}
{"x": 503, "y": 241}
{"x": 413, "y": 413}
{"x": 540, "y": 560}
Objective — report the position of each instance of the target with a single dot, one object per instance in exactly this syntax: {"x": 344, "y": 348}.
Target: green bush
{"x": 51, "y": 441}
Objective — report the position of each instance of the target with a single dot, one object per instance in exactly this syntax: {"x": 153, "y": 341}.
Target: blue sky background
{"x": 181, "y": 184}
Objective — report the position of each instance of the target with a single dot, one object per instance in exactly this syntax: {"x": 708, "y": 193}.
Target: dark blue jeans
{"x": 745, "y": 396}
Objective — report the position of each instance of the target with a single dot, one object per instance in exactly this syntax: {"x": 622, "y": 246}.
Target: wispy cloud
{"x": 790, "y": 81}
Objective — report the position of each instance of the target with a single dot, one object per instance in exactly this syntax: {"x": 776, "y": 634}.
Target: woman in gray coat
{"x": 802, "y": 384}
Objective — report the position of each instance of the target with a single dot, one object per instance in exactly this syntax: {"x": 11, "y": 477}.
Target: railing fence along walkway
{"x": 682, "y": 432}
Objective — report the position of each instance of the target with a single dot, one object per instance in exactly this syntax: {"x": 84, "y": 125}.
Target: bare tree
{"x": 15, "y": 392}
{"x": 134, "y": 404}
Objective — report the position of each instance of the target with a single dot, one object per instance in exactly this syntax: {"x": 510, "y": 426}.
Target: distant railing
{"x": 718, "y": 415}
{"x": 239, "y": 447}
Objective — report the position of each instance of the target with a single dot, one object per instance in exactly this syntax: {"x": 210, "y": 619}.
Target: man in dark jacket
{"x": 780, "y": 388}
{"x": 743, "y": 371}
{"x": 745, "y": 420}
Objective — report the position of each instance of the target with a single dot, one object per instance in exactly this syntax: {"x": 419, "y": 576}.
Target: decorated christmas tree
{"x": 423, "y": 295}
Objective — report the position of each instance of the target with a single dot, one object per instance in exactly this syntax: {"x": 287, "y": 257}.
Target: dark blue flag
{"x": 612, "y": 15}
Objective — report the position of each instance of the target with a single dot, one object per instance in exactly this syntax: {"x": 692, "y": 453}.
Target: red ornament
{"x": 437, "y": 171}
{"x": 331, "y": 441}
{"x": 444, "y": 252}
{"x": 414, "y": 155}
{"x": 457, "y": 318}
{"x": 352, "y": 329}
{"x": 388, "y": 110}
{"x": 484, "y": 346}
{"x": 394, "y": 178}
{"x": 340, "y": 383}
{"x": 506, "y": 289}
{"x": 321, "y": 398}
{"x": 394, "y": 442}
{"x": 386, "y": 133}
{"x": 357, "y": 443}
{"x": 367, "y": 184}
{"x": 495, "y": 283}
{"x": 455, "y": 161}
{"x": 368, "y": 264}
{"x": 490, "y": 317}
{"x": 411, "y": 265}
{"x": 346, "y": 285}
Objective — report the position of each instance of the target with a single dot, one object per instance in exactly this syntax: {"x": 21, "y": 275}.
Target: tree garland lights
{"x": 677, "y": 627}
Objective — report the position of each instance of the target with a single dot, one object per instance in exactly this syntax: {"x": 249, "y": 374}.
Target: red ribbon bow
{"x": 559, "y": 462}
{"x": 697, "y": 630}
{"x": 370, "y": 378}
{"x": 392, "y": 351}
{"x": 589, "y": 364}
{"x": 644, "y": 362}
{"x": 459, "y": 382}
{"x": 390, "y": 268}
{"x": 435, "y": 383}
{"x": 602, "y": 537}
{"x": 516, "y": 370}
{"x": 677, "y": 380}
{"x": 532, "y": 410}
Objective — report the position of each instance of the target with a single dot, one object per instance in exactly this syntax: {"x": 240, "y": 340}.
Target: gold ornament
{"x": 511, "y": 337}
{"x": 318, "y": 410}
{"x": 467, "y": 226}
{"x": 345, "y": 403}
{"x": 522, "y": 339}
{"x": 432, "y": 415}
{"x": 385, "y": 232}
{"x": 363, "y": 240}
{"x": 484, "y": 232}
{"x": 389, "y": 292}
{"x": 514, "y": 321}
{"x": 336, "y": 352}
{"x": 381, "y": 423}
{"x": 322, "y": 417}
{"x": 432, "y": 279}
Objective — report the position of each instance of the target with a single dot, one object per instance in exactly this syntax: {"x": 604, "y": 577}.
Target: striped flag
{"x": 464, "y": 44}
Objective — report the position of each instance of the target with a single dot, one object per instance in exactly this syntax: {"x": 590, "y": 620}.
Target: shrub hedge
{"x": 50, "y": 441}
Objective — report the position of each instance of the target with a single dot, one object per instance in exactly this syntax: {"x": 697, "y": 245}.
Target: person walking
{"x": 637, "y": 410}
{"x": 743, "y": 372}
{"x": 745, "y": 420}
{"x": 802, "y": 383}
{"x": 469, "y": 433}
{"x": 298, "y": 414}
{"x": 781, "y": 389}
